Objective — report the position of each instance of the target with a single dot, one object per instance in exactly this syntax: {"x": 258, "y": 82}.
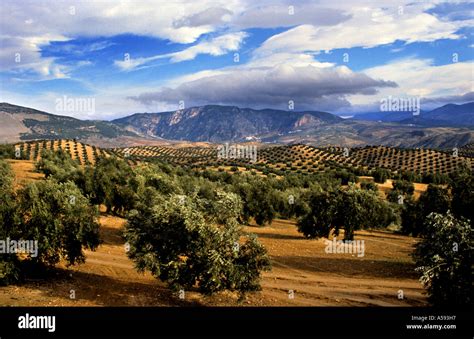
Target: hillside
{"x": 229, "y": 123}
{"x": 86, "y": 154}
{"x": 450, "y": 115}
{"x": 223, "y": 123}
{"x": 220, "y": 124}
{"x": 308, "y": 159}
{"x": 23, "y": 123}
{"x": 352, "y": 133}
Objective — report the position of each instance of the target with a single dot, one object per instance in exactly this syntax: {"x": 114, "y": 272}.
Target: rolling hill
{"x": 308, "y": 159}
{"x": 19, "y": 123}
{"x": 218, "y": 124}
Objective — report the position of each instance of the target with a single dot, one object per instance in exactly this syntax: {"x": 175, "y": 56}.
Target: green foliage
{"x": 380, "y": 175}
{"x": 444, "y": 258}
{"x": 435, "y": 199}
{"x": 349, "y": 209}
{"x": 401, "y": 188}
{"x": 462, "y": 189}
{"x": 410, "y": 176}
{"x": 60, "y": 218}
{"x": 369, "y": 186}
{"x": 346, "y": 177}
{"x": 362, "y": 209}
{"x": 114, "y": 185}
{"x": 319, "y": 220}
{"x": 55, "y": 215}
{"x": 434, "y": 178}
{"x": 59, "y": 165}
{"x": 291, "y": 202}
{"x": 7, "y": 152}
{"x": 183, "y": 246}
{"x": 9, "y": 263}
{"x": 261, "y": 202}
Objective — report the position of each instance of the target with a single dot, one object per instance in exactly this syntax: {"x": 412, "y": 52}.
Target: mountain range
{"x": 450, "y": 115}
{"x": 447, "y": 126}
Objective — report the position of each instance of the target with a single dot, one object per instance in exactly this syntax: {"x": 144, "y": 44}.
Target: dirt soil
{"x": 303, "y": 274}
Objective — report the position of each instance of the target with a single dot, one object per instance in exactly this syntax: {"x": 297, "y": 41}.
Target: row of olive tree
{"x": 184, "y": 229}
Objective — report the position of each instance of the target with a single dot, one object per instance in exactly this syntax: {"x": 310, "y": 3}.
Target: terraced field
{"x": 184, "y": 155}
{"x": 309, "y": 159}
{"x": 84, "y": 153}
{"x": 467, "y": 150}
{"x": 286, "y": 158}
{"x": 415, "y": 160}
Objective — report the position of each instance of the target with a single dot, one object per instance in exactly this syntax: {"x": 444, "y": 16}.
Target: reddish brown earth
{"x": 299, "y": 265}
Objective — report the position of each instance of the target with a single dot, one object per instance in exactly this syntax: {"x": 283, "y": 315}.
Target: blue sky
{"x": 149, "y": 56}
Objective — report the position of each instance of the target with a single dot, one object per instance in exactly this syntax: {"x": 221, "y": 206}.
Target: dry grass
{"x": 317, "y": 278}
{"x": 24, "y": 172}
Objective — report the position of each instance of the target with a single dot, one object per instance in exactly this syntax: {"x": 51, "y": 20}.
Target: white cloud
{"x": 216, "y": 46}
{"x": 368, "y": 27}
{"x": 29, "y": 25}
{"x": 419, "y": 77}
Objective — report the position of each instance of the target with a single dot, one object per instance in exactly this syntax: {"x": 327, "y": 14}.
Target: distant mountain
{"x": 23, "y": 123}
{"x": 350, "y": 133}
{"x": 450, "y": 115}
{"x": 223, "y": 123}
{"x": 383, "y": 116}
{"x": 447, "y": 115}
{"x": 217, "y": 124}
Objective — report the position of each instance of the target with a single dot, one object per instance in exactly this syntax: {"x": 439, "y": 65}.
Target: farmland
{"x": 276, "y": 159}
{"x": 82, "y": 152}
{"x": 302, "y": 272}
{"x": 318, "y": 279}
{"x": 308, "y": 159}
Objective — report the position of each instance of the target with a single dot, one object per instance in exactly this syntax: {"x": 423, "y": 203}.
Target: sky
{"x": 343, "y": 57}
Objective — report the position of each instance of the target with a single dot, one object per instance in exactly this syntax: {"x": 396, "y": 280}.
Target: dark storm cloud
{"x": 271, "y": 87}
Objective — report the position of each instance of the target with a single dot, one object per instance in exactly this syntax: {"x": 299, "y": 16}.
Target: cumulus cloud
{"x": 21, "y": 55}
{"x": 216, "y": 46}
{"x": 368, "y": 27}
{"x": 436, "y": 85}
{"x": 209, "y": 16}
{"x": 423, "y": 78}
{"x": 266, "y": 14}
{"x": 289, "y": 15}
{"x": 309, "y": 87}
{"x": 30, "y": 25}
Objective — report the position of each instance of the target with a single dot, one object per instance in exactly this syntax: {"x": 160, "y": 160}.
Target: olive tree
{"x": 350, "y": 209}
{"x": 60, "y": 219}
{"x": 444, "y": 257}
{"x": 180, "y": 244}
{"x": 435, "y": 199}
{"x": 9, "y": 263}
